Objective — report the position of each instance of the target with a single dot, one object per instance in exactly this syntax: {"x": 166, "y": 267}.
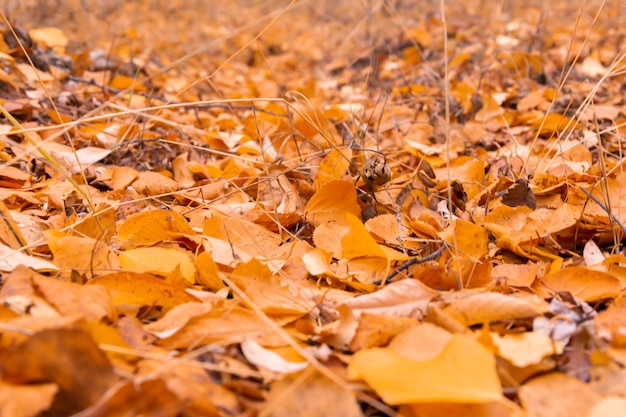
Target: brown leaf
{"x": 149, "y": 398}
{"x": 520, "y": 195}
{"x": 67, "y": 357}
{"x": 315, "y": 395}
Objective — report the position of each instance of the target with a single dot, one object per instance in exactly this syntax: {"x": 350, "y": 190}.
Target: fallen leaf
{"x": 421, "y": 342}
{"x": 192, "y": 324}
{"x": 526, "y": 348}
{"x": 405, "y": 298}
{"x": 333, "y": 167}
{"x": 334, "y": 199}
{"x": 147, "y": 397}
{"x": 481, "y": 307}
{"x": 149, "y": 227}
{"x": 266, "y": 359}
{"x": 160, "y": 261}
{"x": 67, "y": 357}
{"x": 311, "y": 395}
{"x": 609, "y": 407}
{"x": 135, "y": 289}
{"x": 463, "y": 372}
{"x": 26, "y": 401}
{"x": 581, "y": 282}
{"x": 11, "y": 259}
{"x": 269, "y": 292}
{"x": 543, "y": 396}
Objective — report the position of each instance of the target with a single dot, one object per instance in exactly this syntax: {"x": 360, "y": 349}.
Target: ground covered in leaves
{"x": 312, "y": 208}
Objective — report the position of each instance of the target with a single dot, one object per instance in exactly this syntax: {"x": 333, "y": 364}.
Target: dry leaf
{"x": 332, "y": 201}
{"x": 266, "y": 359}
{"x": 463, "y": 372}
{"x": 149, "y": 227}
{"x": 26, "y": 401}
{"x": 315, "y": 395}
{"x": 134, "y": 289}
{"x": 581, "y": 282}
{"x": 160, "y": 261}
{"x": 51, "y": 356}
{"x": 543, "y": 396}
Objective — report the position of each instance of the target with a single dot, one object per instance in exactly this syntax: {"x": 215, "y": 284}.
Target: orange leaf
{"x": 82, "y": 254}
{"x": 543, "y": 396}
{"x": 268, "y": 292}
{"x": 333, "y": 167}
{"x": 160, "y": 261}
{"x": 463, "y": 372}
{"x": 144, "y": 397}
{"x": 405, "y": 298}
{"x": 194, "y": 324}
{"x": 481, "y": 307}
{"x": 582, "y": 282}
{"x": 310, "y": 394}
{"x": 68, "y": 357}
{"x": 208, "y": 272}
{"x": 334, "y": 199}
{"x": 130, "y": 288}
{"x": 149, "y": 227}
{"x": 25, "y": 400}
{"x": 358, "y": 242}
{"x": 243, "y": 235}
{"x": 554, "y": 123}
{"x": 468, "y": 238}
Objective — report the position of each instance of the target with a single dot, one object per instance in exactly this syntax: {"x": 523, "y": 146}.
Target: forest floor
{"x": 312, "y": 208}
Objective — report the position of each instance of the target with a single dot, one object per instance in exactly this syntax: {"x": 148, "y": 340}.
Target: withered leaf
{"x": 520, "y": 195}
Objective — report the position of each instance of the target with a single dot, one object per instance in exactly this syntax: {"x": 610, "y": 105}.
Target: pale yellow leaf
{"x": 463, "y": 372}
{"x": 160, "y": 261}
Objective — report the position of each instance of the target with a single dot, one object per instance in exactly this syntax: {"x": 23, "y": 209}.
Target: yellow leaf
{"x": 208, "y": 272}
{"x": 481, "y": 307}
{"x": 160, "y": 261}
{"x": 554, "y": 123}
{"x": 51, "y": 37}
{"x": 129, "y": 288}
{"x": 524, "y": 349}
{"x": 333, "y": 166}
{"x": 267, "y": 291}
{"x": 543, "y": 396}
{"x": 153, "y": 226}
{"x": 358, "y": 242}
{"x": 582, "y": 282}
{"x": 334, "y": 199}
{"x": 122, "y": 82}
{"x": 82, "y": 254}
{"x": 26, "y": 400}
{"x": 468, "y": 238}
{"x": 463, "y": 372}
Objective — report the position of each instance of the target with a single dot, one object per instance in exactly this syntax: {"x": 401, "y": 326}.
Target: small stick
{"x": 605, "y": 208}
{"x": 413, "y": 261}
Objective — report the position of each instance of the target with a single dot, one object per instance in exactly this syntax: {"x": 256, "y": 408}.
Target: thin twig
{"x": 413, "y": 261}
{"x": 605, "y": 208}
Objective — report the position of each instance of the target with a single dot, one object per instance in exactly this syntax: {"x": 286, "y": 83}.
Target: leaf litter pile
{"x": 312, "y": 209}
